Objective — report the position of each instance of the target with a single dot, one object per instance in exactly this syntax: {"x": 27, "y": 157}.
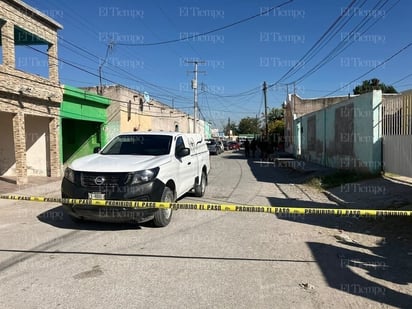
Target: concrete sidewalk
{"x": 37, "y": 185}
{"x": 377, "y": 193}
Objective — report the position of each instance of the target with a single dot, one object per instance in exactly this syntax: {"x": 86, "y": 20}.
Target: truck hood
{"x": 117, "y": 163}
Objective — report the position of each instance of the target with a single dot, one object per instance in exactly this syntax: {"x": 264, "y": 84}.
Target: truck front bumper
{"x": 151, "y": 191}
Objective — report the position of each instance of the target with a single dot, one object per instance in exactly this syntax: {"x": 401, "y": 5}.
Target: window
{"x": 2, "y": 22}
{"x": 31, "y": 53}
{"x": 179, "y": 144}
{"x": 139, "y": 144}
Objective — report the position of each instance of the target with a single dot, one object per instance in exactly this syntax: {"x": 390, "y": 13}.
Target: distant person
{"x": 253, "y": 146}
{"x": 264, "y": 147}
{"x": 247, "y": 148}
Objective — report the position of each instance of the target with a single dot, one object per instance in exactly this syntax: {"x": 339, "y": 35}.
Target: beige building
{"x": 132, "y": 111}
{"x": 29, "y": 104}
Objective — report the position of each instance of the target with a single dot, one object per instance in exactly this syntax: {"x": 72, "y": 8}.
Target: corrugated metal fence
{"x": 397, "y": 134}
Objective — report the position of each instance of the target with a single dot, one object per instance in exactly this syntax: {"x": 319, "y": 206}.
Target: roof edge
{"x": 36, "y": 12}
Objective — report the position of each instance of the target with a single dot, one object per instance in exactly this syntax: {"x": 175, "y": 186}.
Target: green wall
{"x": 83, "y": 116}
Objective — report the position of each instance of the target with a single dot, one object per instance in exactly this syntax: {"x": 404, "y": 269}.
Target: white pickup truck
{"x": 141, "y": 166}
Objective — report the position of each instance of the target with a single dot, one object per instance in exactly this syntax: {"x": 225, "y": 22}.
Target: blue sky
{"x": 238, "y": 58}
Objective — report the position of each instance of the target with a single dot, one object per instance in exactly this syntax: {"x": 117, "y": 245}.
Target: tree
{"x": 249, "y": 125}
{"x": 373, "y": 84}
{"x": 276, "y": 127}
{"x": 276, "y": 114}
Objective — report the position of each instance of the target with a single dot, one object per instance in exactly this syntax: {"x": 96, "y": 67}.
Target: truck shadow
{"x": 58, "y": 218}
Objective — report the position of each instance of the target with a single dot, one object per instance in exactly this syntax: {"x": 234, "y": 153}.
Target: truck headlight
{"x": 144, "y": 176}
{"x": 69, "y": 174}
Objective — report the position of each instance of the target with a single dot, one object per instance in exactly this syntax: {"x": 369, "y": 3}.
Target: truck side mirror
{"x": 183, "y": 152}
{"x": 96, "y": 149}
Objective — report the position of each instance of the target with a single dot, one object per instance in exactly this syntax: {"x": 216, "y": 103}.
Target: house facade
{"x": 131, "y": 110}
{"x": 295, "y": 107}
{"x": 45, "y": 125}
{"x": 29, "y": 103}
{"x": 83, "y": 119}
{"x": 344, "y": 135}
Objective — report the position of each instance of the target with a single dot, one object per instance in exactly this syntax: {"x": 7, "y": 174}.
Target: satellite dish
{"x": 146, "y": 96}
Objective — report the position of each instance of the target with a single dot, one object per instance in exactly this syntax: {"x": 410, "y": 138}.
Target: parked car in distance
{"x": 221, "y": 146}
{"x": 213, "y": 147}
{"x": 232, "y": 145}
{"x": 225, "y": 145}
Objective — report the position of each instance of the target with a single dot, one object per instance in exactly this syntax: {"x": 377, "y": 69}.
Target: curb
{"x": 401, "y": 179}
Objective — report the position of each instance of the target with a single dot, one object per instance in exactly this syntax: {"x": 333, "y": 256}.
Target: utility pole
{"x": 266, "y": 110}
{"x": 194, "y": 87}
{"x": 228, "y": 128}
{"x": 257, "y": 127}
{"x": 109, "y": 49}
{"x": 294, "y": 96}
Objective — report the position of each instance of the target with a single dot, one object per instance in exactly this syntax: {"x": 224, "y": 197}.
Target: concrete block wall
{"x": 296, "y": 107}
{"x": 346, "y": 135}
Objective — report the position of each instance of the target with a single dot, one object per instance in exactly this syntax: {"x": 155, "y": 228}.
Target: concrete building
{"x": 296, "y": 107}
{"x": 133, "y": 111}
{"x": 29, "y": 104}
{"x": 83, "y": 118}
{"x": 344, "y": 135}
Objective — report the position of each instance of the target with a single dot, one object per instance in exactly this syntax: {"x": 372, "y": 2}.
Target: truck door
{"x": 185, "y": 167}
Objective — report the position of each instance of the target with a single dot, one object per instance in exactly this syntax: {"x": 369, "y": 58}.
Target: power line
{"x": 134, "y": 78}
{"x": 209, "y": 32}
{"x": 81, "y": 91}
{"x": 79, "y": 67}
{"x": 345, "y": 43}
{"x": 313, "y": 49}
{"x": 88, "y": 55}
{"x": 373, "y": 69}
{"x": 402, "y": 79}
{"x": 252, "y": 91}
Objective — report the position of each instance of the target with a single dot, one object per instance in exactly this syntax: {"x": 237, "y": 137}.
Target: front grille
{"x": 88, "y": 180}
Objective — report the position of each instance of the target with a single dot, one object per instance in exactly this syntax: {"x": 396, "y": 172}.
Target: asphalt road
{"x": 203, "y": 259}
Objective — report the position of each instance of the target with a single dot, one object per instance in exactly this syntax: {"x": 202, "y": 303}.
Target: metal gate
{"x": 397, "y": 134}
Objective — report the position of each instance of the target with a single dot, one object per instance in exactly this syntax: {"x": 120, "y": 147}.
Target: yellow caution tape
{"x": 214, "y": 207}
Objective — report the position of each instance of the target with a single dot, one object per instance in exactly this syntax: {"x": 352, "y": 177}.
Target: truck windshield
{"x": 146, "y": 145}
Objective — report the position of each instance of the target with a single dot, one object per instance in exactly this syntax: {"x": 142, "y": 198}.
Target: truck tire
{"x": 201, "y": 187}
{"x": 162, "y": 217}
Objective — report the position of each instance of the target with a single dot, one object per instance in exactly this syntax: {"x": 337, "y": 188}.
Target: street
{"x": 203, "y": 259}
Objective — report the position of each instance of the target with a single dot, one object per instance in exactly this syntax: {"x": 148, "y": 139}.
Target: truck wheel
{"x": 162, "y": 217}
{"x": 201, "y": 187}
